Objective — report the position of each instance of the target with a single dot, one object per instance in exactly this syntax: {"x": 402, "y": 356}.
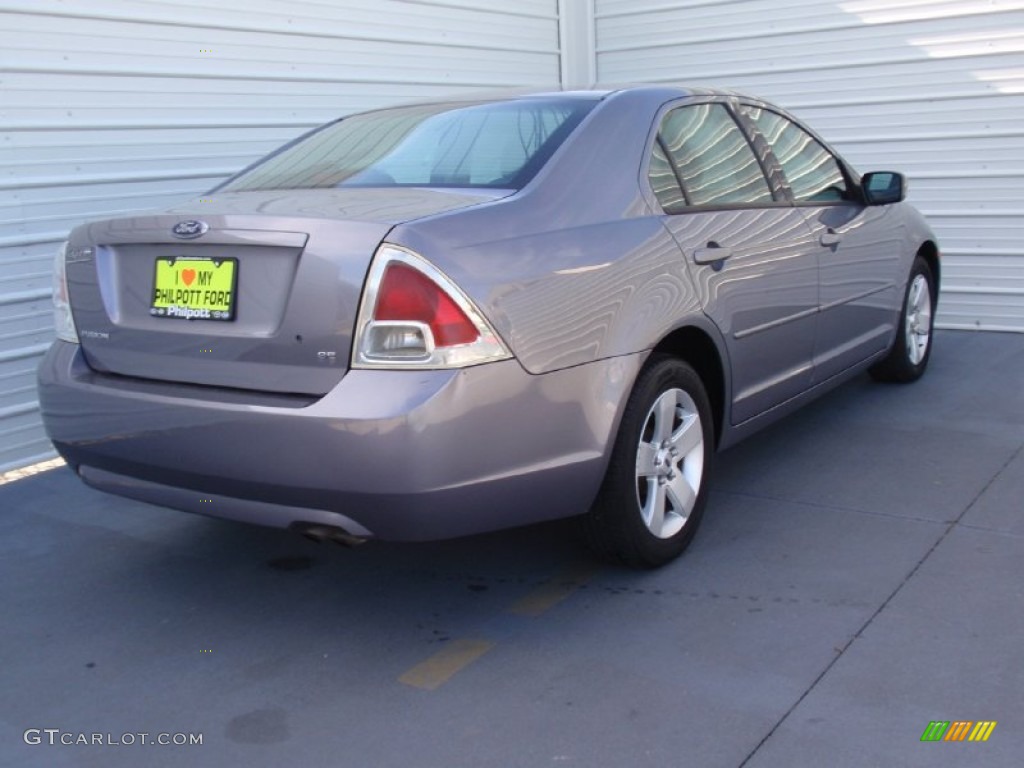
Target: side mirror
{"x": 884, "y": 187}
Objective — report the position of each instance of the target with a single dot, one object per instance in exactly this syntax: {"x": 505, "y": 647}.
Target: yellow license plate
{"x": 194, "y": 289}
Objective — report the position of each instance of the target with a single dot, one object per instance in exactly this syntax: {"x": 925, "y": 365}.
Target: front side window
{"x": 496, "y": 144}
{"x": 712, "y": 159}
{"x": 812, "y": 171}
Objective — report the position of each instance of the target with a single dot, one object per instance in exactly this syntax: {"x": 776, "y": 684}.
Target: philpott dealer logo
{"x": 958, "y": 730}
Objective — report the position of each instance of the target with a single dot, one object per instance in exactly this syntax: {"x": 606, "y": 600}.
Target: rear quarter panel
{"x": 575, "y": 267}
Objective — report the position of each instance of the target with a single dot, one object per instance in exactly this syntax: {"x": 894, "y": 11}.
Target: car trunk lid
{"x": 295, "y": 261}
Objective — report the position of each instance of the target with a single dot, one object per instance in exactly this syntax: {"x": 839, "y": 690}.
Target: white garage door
{"x": 934, "y": 88}
{"x": 112, "y": 105}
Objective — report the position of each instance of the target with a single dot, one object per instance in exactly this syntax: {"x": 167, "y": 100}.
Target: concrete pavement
{"x": 860, "y": 574}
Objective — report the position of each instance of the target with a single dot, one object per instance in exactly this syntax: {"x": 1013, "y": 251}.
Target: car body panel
{"x": 566, "y": 297}
{"x": 860, "y": 282}
{"x": 520, "y": 262}
{"x": 763, "y": 297}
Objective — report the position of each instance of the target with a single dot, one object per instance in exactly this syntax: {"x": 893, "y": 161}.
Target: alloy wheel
{"x": 918, "y": 323}
{"x": 669, "y": 463}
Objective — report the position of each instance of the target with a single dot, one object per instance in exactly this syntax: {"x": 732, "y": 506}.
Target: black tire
{"x": 615, "y": 526}
{"x": 912, "y": 348}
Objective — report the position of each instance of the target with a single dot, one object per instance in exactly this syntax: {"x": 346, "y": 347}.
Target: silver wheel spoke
{"x": 918, "y": 321}
{"x": 681, "y": 495}
{"x": 912, "y": 350}
{"x": 915, "y": 294}
{"x": 664, "y": 419}
{"x": 646, "y": 454}
{"x": 654, "y": 509}
{"x": 688, "y": 437}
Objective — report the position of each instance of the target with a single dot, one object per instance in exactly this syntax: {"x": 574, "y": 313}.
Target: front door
{"x": 858, "y": 246}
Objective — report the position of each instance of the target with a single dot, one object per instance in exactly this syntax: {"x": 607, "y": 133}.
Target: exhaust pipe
{"x": 319, "y": 533}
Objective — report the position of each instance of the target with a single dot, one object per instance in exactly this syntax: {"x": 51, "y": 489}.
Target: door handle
{"x": 711, "y": 253}
{"x": 830, "y": 237}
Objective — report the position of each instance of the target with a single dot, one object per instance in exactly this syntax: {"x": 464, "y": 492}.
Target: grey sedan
{"x": 453, "y": 317}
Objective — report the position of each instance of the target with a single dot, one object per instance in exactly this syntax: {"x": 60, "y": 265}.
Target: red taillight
{"x": 413, "y": 316}
{"x": 407, "y": 295}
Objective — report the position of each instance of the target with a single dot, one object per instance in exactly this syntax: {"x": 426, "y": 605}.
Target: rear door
{"x": 858, "y": 246}
{"x": 748, "y": 250}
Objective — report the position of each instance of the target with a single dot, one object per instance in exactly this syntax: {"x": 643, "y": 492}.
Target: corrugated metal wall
{"x": 112, "y": 105}
{"x": 931, "y": 87}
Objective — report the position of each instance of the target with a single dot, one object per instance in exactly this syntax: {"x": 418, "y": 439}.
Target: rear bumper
{"x": 400, "y": 455}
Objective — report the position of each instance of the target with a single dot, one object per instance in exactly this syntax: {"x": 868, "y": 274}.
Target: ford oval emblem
{"x": 189, "y": 229}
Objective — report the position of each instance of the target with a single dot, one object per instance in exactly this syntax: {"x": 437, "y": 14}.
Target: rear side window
{"x": 812, "y": 171}
{"x": 711, "y": 159}
{"x": 495, "y": 144}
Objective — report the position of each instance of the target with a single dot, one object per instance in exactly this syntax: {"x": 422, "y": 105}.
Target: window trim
{"x": 671, "y": 164}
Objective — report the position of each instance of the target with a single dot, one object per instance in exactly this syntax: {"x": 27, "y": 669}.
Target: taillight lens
{"x": 407, "y": 294}
{"x": 412, "y": 315}
{"x": 63, "y": 319}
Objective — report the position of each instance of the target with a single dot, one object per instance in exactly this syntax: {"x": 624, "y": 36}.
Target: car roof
{"x": 664, "y": 92}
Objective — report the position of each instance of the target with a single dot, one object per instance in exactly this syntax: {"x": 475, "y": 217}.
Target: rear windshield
{"x": 496, "y": 145}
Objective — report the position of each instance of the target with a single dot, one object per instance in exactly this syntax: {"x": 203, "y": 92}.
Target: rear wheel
{"x": 655, "y": 489}
{"x": 912, "y": 348}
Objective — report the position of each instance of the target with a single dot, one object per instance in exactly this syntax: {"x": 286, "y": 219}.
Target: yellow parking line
{"x": 439, "y": 668}
{"x": 459, "y": 654}
{"x": 34, "y": 469}
{"x": 551, "y": 593}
